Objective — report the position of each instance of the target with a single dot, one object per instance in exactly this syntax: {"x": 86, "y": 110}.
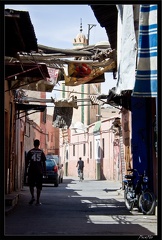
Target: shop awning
{"x": 24, "y": 108}
{"x": 97, "y": 127}
{"x": 107, "y": 16}
{"x": 19, "y": 33}
{"x": 28, "y": 107}
{"x": 22, "y": 70}
{"x": 31, "y": 76}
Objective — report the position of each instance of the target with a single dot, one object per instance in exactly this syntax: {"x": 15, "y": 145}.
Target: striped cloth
{"x": 146, "y": 75}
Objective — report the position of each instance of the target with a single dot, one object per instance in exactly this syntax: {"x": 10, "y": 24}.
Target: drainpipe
{"x": 117, "y": 124}
{"x": 121, "y": 153}
{"x": 66, "y": 159}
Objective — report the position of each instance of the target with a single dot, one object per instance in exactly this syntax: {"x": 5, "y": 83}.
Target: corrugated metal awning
{"x": 20, "y": 70}
{"x": 31, "y": 76}
{"x": 106, "y": 15}
{"x": 19, "y": 33}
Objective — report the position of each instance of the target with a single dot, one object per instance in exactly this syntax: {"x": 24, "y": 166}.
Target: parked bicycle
{"x": 138, "y": 195}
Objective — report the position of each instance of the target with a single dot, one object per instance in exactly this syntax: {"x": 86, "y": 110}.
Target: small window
{"x": 103, "y": 147}
{"x": 67, "y": 155}
{"x": 51, "y": 137}
{"x": 63, "y": 90}
{"x": 73, "y": 150}
{"x": 90, "y": 150}
{"x": 84, "y": 149}
{"x": 44, "y": 114}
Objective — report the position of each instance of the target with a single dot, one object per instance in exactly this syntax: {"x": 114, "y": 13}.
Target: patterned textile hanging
{"x": 146, "y": 75}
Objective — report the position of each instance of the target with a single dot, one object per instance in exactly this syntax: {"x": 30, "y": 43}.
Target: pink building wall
{"x": 109, "y": 158}
{"x": 107, "y": 165}
{"x": 52, "y": 138}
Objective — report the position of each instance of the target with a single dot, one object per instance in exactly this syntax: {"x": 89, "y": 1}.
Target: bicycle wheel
{"x": 128, "y": 203}
{"x": 147, "y": 202}
{"x": 79, "y": 173}
{"x": 81, "y": 176}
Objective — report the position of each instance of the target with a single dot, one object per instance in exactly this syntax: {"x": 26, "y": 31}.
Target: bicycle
{"x": 138, "y": 195}
{"x": 80, "y": 174}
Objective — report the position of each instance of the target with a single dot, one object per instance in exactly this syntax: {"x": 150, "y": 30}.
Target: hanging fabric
{"x": 71, "y": 102}
{"x": 127, "y": 49}
{"x": 62, "y": 117}
{"x": 83, "y": 73}
{"x": 146, "y": 75}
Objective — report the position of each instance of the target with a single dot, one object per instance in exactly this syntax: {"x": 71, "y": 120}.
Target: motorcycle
{"x": 138, "y": 195}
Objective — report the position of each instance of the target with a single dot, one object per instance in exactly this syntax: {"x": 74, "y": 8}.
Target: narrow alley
{"x": 88, "y": 208}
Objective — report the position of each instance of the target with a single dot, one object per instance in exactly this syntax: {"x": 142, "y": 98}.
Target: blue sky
{"x": 57, "y": 25}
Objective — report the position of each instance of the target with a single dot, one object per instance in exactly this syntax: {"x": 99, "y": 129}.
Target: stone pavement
{"x": 11, "y": 200}
{"x": 88, "y": 207}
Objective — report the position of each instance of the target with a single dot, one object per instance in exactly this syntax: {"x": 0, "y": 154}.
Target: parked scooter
{"x": 138, "y": 195}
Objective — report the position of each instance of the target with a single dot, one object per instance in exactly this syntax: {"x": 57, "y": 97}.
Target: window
{"x": 63, "y": 90}
{"x": 90, "y": 150}
{"x": 73, "y": 150}
{"x": 84, "y": 149}
{"x": 67, "y": 155}
{"x": 44, "y": 116}
{"x": 103, "y": 147}
{"x": 51, "y": 137}
{"x": 98, "y": 149}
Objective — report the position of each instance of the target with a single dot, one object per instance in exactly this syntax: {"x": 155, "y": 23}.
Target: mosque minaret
{"x": 80, "y": 41}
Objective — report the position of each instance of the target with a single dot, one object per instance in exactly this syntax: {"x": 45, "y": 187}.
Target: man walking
{"x": 36, "y": 168}
{"x": 80, "y": 165}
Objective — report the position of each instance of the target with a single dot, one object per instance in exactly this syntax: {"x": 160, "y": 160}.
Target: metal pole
{"x": 90, "y": 26}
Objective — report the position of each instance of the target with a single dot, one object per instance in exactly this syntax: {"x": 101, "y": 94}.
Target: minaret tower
{"x": 80, "y": 41}
{"x": 85, "y": 114}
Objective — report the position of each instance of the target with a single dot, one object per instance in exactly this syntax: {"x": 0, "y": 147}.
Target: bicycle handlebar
{"x": 134, "y": 170}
